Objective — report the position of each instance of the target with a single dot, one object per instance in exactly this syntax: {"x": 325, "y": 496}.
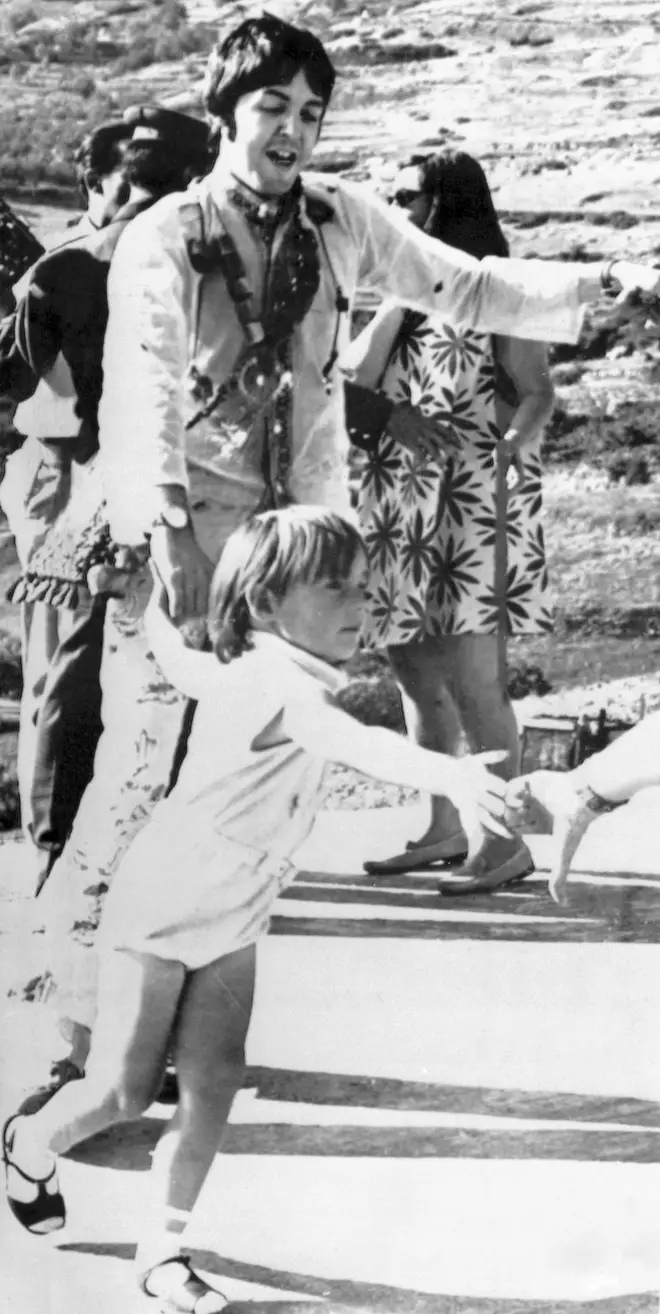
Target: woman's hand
{"x": 184, "y": 570}
{"x": 479, "y": 798}
{"x": 511, "y": 447}
{"x": 424, "y": 437}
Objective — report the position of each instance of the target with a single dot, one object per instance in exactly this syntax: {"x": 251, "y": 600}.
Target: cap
{"x": 109, "y": 133}
{"x": 95, "y": 143}
{"x": 154, "y": 122}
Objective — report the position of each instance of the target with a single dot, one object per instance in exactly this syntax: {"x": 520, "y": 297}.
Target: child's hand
{"x": 478, "y": 797}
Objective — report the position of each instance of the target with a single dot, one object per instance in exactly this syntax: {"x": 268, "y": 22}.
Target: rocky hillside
{"x": 559, "y": 101}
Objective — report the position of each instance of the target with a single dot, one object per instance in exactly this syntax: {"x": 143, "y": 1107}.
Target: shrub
{"x": 19, "y": 15}
{"x": 628, "y": 468}
{"x": 84, "y": 86}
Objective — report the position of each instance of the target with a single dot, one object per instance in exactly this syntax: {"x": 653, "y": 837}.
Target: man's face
{"x": 276, "y": 130}
{"x": 114, "y": 188}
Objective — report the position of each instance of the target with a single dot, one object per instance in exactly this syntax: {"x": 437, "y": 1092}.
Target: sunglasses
{"x": 405, "y": 198}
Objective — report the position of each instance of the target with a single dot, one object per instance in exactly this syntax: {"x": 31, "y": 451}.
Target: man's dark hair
{"x": 99, "y": 154}
{"x": 462, "y": 213}
{"x": 264, "y": 52}
{"x": 161, "y": 167}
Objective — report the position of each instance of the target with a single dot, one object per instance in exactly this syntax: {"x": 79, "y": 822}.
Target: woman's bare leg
{"x": 475, "y": 671}
{"x": 432, "y": 720}
{"x": 209, "y": 1055}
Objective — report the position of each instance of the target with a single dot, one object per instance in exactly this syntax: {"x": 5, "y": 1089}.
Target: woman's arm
{"x": 526, "y": 365}
{"x": 369, "y": 413}
{"x": 328, "y": 732}
{"x": 367, "y": 358}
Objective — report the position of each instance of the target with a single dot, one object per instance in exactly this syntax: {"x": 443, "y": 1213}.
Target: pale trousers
{"x": 142, "y": 718}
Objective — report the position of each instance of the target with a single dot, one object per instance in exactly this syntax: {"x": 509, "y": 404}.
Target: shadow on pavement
{"x": 634, "y": 1137}
{"x": 344, "y": 1296}
{"x": 606, "y": 911}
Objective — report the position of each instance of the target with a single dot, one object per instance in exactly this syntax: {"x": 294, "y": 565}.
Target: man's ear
{"x": 92, "y": 182}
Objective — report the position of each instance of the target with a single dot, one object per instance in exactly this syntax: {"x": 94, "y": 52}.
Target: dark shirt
{"x": 65, "y": 309}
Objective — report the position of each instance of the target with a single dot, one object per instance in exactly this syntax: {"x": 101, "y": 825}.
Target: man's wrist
{"x": 171, "y": 510}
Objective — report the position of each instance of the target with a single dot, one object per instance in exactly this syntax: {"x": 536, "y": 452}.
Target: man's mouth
{"x": 281, "y": 157}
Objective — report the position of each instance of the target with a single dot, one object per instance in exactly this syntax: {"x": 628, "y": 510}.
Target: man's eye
{"x": 309, "y": 116}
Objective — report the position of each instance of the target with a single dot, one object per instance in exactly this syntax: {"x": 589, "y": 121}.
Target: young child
{"x": 194, "y": 894}
{"x": 572, "y": 800}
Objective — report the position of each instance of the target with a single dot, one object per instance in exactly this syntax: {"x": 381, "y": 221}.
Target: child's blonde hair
{"x": 269, "y": 553}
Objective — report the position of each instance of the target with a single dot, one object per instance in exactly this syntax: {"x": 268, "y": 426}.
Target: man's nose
{"x": 292, "y": 123}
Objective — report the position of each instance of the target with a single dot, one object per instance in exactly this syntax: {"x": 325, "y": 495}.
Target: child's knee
{"x": 130, "y": 1099}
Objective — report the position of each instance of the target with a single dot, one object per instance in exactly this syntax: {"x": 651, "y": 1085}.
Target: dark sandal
{"x": 45, "y": 1214}
{"x": 198, "y": 1296}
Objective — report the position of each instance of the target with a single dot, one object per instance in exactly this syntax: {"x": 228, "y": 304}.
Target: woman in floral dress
{"x": 457, "y": 564}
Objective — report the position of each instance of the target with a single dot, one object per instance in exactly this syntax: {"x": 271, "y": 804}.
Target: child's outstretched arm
{"x": 477, "y": 795}
{"x": 186, "y": 669}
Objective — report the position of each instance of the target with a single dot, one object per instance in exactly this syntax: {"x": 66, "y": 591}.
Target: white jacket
{"x": 164, "y": 318}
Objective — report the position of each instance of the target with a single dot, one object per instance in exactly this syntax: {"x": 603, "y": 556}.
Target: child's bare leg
{"x": 209, "y": 1055}
{"x": 138, "y": 998}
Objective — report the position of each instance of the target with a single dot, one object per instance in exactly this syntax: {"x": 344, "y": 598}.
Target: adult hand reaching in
{"x": 637, "y": 305}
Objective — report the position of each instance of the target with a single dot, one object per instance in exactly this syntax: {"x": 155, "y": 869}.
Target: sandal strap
{"x": 194, "y": 1286}
{"x": 11, "y": 1163}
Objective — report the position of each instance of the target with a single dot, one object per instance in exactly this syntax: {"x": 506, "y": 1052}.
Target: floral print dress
{"x": 443, "y": 561}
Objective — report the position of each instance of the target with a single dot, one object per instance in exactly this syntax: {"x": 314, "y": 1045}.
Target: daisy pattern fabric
{"x": 440, "y": 563}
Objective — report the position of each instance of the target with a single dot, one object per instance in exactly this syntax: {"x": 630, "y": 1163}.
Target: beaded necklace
{"x": 260, "y": 388}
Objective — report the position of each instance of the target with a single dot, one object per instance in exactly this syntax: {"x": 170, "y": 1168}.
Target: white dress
{"x": 200, "y": 880}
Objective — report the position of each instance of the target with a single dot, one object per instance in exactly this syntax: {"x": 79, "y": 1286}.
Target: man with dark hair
{"x": 52, "y": 354}
{"x": 37, "y": 479}
{"x": 229, "y": 308}
{"x": 98, "y": 162}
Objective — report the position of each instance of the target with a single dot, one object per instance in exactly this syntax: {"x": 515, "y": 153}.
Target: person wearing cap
{"x": 54, "y": 353}
{"x": 35, "y": 374}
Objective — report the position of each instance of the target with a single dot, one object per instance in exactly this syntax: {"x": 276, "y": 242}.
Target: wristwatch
{"x": 173, "y": 517}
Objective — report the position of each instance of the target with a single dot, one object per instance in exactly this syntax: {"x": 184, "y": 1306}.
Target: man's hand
{"x": 637, "y": 306}
{"x": 184, "y": 570}
{"x": 423, "y": 436}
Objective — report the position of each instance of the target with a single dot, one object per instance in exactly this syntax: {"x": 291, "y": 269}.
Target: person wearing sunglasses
{"x": 456, "y": 563}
